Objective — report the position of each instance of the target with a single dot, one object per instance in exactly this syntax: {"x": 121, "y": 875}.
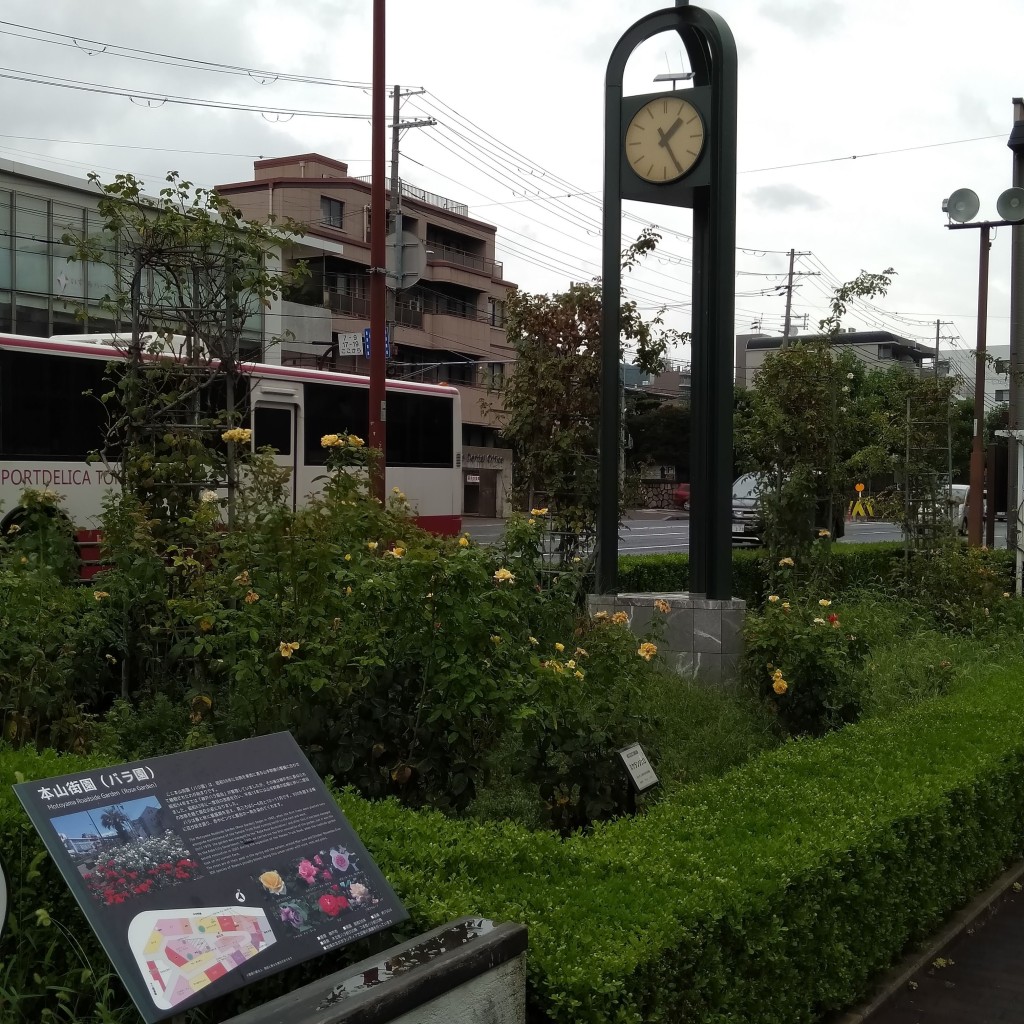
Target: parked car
{"x": 681, "y": 496}
{"x": 748, "y": 518}
{"x": 964, "y": 509}
{"x": 958, "y": 505}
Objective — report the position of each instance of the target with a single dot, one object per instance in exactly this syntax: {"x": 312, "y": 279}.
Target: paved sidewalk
{"x": 972, "y": 974}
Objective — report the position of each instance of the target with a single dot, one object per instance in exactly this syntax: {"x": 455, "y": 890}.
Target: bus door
{"x": 275, "y": 425}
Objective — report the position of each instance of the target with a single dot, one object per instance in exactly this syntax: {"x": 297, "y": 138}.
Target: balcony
{"x": 406, "y": 314}
{"x": 405, "y": 188}
{"x": 437, "y": 253}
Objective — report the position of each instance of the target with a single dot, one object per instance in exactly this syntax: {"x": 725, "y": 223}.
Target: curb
{"x": 895, "y": 979}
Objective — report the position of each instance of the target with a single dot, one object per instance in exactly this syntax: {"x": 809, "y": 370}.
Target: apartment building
{"x": 878, "y": 350}
{"x": 449, "y": 327}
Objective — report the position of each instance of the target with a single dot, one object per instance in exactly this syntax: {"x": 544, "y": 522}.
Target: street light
{"x": 961, "y": 208}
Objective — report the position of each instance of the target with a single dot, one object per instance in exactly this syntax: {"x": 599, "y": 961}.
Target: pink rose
{"x": 339, "y": 858}
{"x": 307, "y": 872}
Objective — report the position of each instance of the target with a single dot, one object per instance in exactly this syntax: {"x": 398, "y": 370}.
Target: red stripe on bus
{"x": 443, "y": 526}
{"x": 43, "y": 345}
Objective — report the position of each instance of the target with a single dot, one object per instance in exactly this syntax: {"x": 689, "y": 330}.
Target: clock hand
{"x": 663, "y": 137}
{"x": 663, "y": 141}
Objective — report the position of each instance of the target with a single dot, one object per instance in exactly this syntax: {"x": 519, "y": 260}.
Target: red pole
{"x": 378, "y": 280}
{"x": 975, "y": 507}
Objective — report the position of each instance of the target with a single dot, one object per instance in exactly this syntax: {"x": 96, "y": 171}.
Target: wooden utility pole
{"x": 378, "y": 270}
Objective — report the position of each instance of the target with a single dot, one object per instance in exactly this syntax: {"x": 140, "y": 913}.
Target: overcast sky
{"x": 518, "y": 93}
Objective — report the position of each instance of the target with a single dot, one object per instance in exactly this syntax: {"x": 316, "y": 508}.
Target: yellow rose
{"x": 647, "y": 651}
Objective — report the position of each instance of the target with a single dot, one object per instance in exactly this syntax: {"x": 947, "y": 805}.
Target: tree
{"x": 187, "y": 274}
{"x": 115, "y": 818}
{"x": 661, "y": 435}
{"x": 550, "y": 404}
{"x": 793, "y": 424}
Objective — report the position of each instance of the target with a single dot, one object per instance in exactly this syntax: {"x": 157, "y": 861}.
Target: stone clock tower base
{"x": 701, "y": 637}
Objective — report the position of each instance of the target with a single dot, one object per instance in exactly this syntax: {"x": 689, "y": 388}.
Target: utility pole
{"x": 788, "y": 288}
{"x": 1014, "y": 533}
{"x": 395, "y": 207}
{"x": 975, "y": 508}
{"x": 789, "y": 297}
{"x": 378, "y": 257}
{"x": 939, "y": 324}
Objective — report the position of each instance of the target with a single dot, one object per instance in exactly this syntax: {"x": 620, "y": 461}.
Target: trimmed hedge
{"x": 771, "y": 895}
{"x": 851, "y": 565}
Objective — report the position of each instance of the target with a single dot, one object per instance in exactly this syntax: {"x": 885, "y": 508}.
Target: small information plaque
{"x": 639, "y": 769}
{"x": 204, "y": 870}
{"x": 3, "y": 898}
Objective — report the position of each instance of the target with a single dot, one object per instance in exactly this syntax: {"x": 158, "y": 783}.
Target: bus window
{"x": 419, "y": 430}
{"x": 272, "y": 428}
{"x": 331, "y": 409}
{"x": 44, "y": 413}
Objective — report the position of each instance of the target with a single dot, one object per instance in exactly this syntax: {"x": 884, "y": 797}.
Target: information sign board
{"x": 641, "y": 774}
{"x": 348, "y": 343}
{"x": 204, "y": 870}
{"x": 3, "y": 897}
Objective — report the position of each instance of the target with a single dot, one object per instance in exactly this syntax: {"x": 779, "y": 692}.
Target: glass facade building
{"x": 42, "y": 291}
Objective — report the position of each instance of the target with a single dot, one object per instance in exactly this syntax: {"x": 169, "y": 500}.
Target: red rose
{"x": 833, "y": 617}
{"x": 332, "y": 905}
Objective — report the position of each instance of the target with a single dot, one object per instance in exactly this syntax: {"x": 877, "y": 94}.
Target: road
{"x": 650, "y": 533}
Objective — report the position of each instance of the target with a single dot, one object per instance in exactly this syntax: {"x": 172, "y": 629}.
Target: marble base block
{"x": 700, "y": 637}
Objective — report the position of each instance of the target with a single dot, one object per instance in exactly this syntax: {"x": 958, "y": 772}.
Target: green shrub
{"x": 772, "y": 895}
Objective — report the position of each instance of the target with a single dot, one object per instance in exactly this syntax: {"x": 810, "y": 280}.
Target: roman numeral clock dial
{"x": 664, "y": 139}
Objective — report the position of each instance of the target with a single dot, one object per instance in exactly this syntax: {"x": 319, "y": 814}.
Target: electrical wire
{"x": 156, "y": 57}
{"x": 155, "y": 100}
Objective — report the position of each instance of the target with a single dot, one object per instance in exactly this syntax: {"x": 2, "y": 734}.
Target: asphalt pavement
{"x": 646, "y": 532}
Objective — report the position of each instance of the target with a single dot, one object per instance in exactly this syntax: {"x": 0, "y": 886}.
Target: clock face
{"x": 664, "y": 139}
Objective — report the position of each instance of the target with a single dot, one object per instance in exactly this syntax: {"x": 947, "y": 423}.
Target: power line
{"x": 152, "y": 149}
{"x": 95, "y": 48}
{"x": 142, "y": 97}
{"x": 864, "y": 156}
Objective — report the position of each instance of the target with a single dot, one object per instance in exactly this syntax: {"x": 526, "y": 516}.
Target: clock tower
{"x": 677, "y": 149}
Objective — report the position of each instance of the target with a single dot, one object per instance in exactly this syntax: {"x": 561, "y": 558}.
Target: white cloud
{"x": 785, "y": 197}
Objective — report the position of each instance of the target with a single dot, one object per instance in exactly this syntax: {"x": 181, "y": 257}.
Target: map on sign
{"x": 180, "y": 952}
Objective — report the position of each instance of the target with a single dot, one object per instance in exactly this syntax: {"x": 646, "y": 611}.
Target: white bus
{"x": 49, "y": 424}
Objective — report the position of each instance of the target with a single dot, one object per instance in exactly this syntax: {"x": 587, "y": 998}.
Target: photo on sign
{"x": 126, "y": 850}
{"x": 181, "y": 951}
{"x": 310, "y": 891}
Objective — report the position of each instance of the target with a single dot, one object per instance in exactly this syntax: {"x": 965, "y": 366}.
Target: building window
{"x": 460, "y": 372}
{"x": 332, "y": 212}
{"x": 1002, "y": 394}
{"x": 496, "y": 310}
